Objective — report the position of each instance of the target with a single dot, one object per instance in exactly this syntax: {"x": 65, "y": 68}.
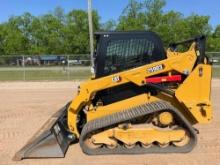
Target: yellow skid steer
{"x": 141, "y": 99}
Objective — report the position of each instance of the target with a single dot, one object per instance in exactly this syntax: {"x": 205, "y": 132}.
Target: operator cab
{"x": 119, "y": 51}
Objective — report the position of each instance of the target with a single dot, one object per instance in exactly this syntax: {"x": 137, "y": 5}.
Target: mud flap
{"x": 51, "y": 141}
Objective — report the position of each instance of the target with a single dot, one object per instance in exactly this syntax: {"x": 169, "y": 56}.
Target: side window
{"x": 127, "y": 53}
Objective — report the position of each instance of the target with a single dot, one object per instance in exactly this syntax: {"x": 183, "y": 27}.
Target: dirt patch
{"x": 25, "y": 106}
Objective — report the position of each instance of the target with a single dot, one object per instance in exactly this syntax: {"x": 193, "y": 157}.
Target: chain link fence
{"x": 59, "y": 67}
{"x": 215, "y": 59}
{"x": 45, "y": 67}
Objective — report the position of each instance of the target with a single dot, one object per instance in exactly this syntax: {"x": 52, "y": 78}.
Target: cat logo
{"x": 116, "y": 79}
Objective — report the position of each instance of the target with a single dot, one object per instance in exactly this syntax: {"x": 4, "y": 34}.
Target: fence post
{"x": 23, "y": 65}
{"x": 68, "y": 67}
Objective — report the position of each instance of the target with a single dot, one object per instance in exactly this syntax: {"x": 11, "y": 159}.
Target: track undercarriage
{"x": 149, "y": 128}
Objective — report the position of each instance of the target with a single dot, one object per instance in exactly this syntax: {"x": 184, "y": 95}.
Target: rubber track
{"x": 113, "y": 120}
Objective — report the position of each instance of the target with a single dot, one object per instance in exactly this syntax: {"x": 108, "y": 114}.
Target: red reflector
{"x": 173, "y": 78}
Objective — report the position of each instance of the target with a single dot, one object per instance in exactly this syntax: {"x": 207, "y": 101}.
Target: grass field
{"x": 44, "y": 73}
{"x": 216, "y": 72}
{"x": 55, "y": 73}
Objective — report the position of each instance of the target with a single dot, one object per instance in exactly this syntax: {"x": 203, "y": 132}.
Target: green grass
{"x": 216, "y": 72}
{"x": 11, "y": 75}
{"x": 55, "y": 73}
{"x": 34, "y": 74}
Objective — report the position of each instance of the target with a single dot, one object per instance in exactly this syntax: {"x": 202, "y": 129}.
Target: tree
{"x": 170, "y": 27}
{"x": 109, "y": 25}
{"x": 2, "y": 39}
{"x": 60, "y": 14}
{"x": 217, "y": 32}
{"x": 214, "y": 40}
{"x": 67, "y": 33}
{"x": 15, "y": 41}
{"x": 50, "y": 35}
{"x": 132, "y": 17}
{"x": 53, "y": 33}
{"x": 153, "y": 13}
{"x": 197, "y": 25}
{"x": 77, "y": 31}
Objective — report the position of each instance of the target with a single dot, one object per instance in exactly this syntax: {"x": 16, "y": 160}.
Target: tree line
{"x": 67, "y": 33}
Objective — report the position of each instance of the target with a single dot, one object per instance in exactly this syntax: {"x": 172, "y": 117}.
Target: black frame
{"x": 103, "y": 38}
{"x": 200, "y": 46}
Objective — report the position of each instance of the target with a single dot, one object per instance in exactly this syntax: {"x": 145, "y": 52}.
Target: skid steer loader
{"x": 141, "y": 99}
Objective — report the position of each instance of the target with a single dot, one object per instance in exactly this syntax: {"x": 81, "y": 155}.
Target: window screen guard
{"x": 126, "y": 53}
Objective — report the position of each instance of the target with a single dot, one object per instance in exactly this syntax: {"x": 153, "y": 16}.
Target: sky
{"x": 108, "y": 9}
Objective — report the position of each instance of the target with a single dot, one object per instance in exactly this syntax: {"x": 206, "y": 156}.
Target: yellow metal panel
{"x": 137, "y": 76}
{"x": 134, "y": 135}
{"x": 148, "y": 136}
{"x": 194, "y": 93}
